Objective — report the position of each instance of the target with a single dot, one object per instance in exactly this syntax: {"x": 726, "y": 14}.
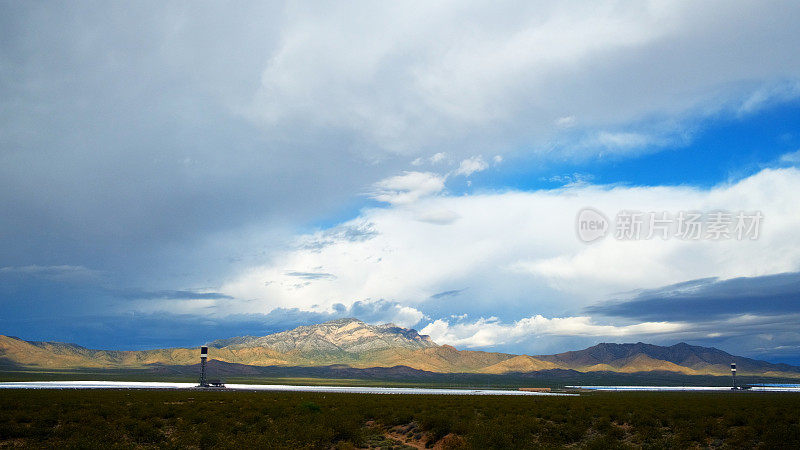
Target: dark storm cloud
{"x": 710, "y": 298}
{"x": 753, "y": 316}
{"x": 124, "y": 146}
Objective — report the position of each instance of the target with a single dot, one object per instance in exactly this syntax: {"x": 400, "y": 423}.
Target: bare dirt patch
{"x": 410, "y": 436}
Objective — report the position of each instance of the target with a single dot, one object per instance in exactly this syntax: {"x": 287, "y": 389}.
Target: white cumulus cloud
{"x": 408, "y": 187}
{"x": 471, "y": 165}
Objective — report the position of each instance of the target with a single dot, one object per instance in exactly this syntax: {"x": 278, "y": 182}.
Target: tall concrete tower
{"x": 733, "y": 373}
{"x": 203, "y": 358}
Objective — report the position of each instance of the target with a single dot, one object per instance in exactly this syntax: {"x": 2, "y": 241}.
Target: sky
{"x": 174, "y": 173}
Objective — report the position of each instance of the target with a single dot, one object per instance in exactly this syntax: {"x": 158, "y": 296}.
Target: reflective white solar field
{"x": 261, "y": 387}
{"x": 761, "y": 388}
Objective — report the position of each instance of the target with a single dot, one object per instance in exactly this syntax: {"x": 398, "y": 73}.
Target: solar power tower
{"x": 203, "y": 358}
{"x": 733, "y": 373}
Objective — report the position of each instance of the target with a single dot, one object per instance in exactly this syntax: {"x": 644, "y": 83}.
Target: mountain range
{"x": 351, "y": 343}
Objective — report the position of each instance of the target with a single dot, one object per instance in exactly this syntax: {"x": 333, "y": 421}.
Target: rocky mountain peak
{"x": 348, "y": 335}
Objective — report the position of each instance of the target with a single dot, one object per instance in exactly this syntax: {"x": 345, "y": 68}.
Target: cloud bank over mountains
{"x": 519, "y": 254}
